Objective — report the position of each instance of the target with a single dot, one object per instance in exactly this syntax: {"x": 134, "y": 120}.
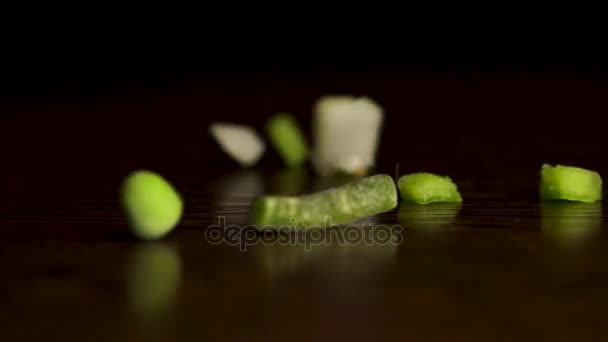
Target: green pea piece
{"x": 151, "y": 204}
{"x": 340, "y": 205}
{"x": 569, "y": 183}
{"x": 287, "y": 138}
{"x": 425, "y": 188}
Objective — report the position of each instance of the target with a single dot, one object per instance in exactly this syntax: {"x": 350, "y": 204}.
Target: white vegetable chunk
{"x": 346, "y": 131}
{"x": 242, "y": 143}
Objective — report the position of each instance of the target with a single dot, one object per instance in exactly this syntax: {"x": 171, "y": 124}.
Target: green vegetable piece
{"x": 425, "y": 188}
{"x": 288, "y": 139}
{"x": 340, "y": 205}
{"x": 151, "y": 204}
{"x": 569, "y": 183}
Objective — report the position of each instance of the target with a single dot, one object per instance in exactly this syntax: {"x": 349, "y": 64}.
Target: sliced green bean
{"x": 340, "y": 205}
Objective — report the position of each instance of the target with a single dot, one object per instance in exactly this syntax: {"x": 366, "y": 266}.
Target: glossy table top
{"x": 486, "y": 269}
{"x": 501, "y": 266}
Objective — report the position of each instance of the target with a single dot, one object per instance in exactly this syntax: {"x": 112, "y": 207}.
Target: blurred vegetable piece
{"x": 151, "y": 204}
{"x": 242, "y": 143}
{"x": 346, "y": 132}
{"x": 288, "y": 139}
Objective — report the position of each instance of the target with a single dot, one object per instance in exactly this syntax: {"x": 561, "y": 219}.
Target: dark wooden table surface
{"x": 501, "y": 266}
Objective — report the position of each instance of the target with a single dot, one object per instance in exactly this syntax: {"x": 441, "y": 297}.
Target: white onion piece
{"x": 242, "y": 143}
{"x": 346, "y": 131}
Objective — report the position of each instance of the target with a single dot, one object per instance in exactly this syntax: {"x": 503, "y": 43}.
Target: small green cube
{"x": 569, "y": 183}
{"x": 287, "y": 138}
{"x": 425, "y": 188}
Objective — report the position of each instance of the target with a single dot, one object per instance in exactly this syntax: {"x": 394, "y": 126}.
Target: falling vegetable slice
{"x": 287, "y": 138}
{"x": 425, "y": 188}
{"x": 346, "y": 131}
{"x": 340, "y": 205}
{"x": 240, "y": 142}
{"x": 569, "y": 183}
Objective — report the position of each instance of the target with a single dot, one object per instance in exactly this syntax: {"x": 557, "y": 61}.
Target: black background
{"x": 81, "y": 110}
